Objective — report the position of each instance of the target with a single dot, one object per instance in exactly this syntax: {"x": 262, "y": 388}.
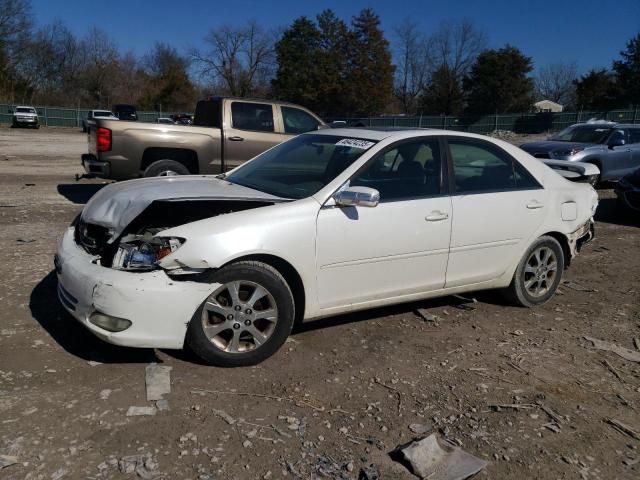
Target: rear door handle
{"x": 236, "y": 139}
{"x": 534, "y": 204}
{"x": 436, "y": 216}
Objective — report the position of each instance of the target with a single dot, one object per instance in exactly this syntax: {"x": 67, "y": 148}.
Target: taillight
{"x": 103, "y": 139}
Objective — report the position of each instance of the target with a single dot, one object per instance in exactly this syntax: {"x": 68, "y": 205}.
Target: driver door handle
{"x": 436, "y": 216}
{"x": 236, "y": 139}
{"x": 534, "y": 204}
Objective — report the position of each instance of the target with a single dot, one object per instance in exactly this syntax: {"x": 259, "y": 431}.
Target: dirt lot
{"x": 339, "y": 396}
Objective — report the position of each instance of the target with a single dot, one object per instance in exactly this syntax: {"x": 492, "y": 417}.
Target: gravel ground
{"x": 340, "y": 395}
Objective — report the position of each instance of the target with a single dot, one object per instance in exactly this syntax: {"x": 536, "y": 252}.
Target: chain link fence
{"x": 69, "y": 117}
{"x": 517, "y": 122}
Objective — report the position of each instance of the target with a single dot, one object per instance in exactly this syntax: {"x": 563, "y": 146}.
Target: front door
{"x": 401, "y": 246}
{"x": 251, "y": 132}
{"x": 618, "y": 157}
{"x": 497, "y": 206}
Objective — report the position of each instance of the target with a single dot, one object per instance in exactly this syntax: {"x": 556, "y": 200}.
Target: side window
{"x": 478, "y": 167}
{"x": 634, "y": 135}
{"x": 618, "y": 136}
{"x": 410, "y": 170}
{"x": 297, "y": 121}
{"x": 257, "y": 117}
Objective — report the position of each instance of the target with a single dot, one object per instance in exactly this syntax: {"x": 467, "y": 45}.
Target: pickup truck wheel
{"x": 166, "y": 168}
{"x": 246, "y": 319}
{"x": 538, "y": 274}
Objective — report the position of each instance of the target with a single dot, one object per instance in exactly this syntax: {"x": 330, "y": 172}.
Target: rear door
{"x": 249, "y": 131}
{"x": 497, "y": 206}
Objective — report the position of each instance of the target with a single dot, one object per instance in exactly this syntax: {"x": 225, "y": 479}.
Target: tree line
{"x": 335, "y": 67}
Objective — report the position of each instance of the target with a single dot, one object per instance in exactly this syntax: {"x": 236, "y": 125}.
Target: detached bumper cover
{"x": 581, "y": 237}
{"x": 158, "y": 307}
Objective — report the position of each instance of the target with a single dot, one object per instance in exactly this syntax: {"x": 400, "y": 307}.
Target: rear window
{"x": 257, "y": 117}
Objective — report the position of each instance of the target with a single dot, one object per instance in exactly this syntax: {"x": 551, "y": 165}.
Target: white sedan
{"x": 326, "y": 223}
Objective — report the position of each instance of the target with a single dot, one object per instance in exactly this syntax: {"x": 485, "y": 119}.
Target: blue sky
{"x": 589, "y": 32}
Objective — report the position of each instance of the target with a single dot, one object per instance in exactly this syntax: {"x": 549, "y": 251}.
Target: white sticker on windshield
{"x": 355, "y": 143}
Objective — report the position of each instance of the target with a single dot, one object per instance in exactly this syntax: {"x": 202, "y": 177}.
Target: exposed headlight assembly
{"x": 144, "y": 255}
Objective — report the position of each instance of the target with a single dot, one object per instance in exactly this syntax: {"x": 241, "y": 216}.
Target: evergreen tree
{"x": 371, "y": 72}
{"x": 297, "y": 55}
{"x": 597, "y": 90}
{"x": 628, "y": 72}
{"x": 499, "y": 82}
{"x": 442, "y": 94}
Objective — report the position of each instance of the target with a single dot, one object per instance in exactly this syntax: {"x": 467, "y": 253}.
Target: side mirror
{"x": 357, "y": 197}
{"x": 616, "y": 142}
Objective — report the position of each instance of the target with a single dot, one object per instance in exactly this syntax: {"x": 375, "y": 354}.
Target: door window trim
{"x": 444, "y": 183}
{"x": 491, "y": 146}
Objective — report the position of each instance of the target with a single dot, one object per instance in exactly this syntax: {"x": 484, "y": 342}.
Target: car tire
{"x": 532, "y": 283}
{"x": 166, "y": 168}
{"x": 234, "y": 333}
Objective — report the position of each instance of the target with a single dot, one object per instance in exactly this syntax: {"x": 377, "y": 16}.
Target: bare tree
{"x": 456, "y": 45}
{"x": 556, "y": 82}
{"x": 411, "y": 68}
{"x": 15, "y": 24}
{"x": 239, "y": 58}
{"x": 100, "y": 67}
{"x": 452, "y": 50}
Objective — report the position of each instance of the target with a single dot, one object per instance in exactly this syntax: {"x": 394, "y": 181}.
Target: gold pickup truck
{"x": 225, "y": 133}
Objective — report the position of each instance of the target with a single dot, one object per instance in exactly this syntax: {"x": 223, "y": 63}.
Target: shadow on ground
{"x": 79, "y": 193}
{"x": 73, "y": 337}
{"x": 610, "y": 212}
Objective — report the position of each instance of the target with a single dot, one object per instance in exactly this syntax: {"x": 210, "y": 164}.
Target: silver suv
{"x": 613, "y": 147}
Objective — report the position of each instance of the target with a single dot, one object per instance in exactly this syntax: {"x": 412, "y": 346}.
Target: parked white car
{"x": 328, "y": 222}
{"x": 93, "y": 114}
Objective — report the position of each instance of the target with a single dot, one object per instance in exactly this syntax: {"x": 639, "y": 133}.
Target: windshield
{"x": 583, "y": 134}
{"x": 25, "y": 110}
{"x": 302, "y": 166}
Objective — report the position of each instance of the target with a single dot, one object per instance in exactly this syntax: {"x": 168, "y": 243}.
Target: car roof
{"x": 397, "y": 133}
{"x": 25, "y": 106}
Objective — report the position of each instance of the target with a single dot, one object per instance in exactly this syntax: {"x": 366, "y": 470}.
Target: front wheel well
{"x": 289, "y": 273}
{"x": 185, "y": 157}
{"x": 564, "y": 243}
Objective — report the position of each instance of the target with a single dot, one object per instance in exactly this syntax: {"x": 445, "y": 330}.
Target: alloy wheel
{"x": 240, "y": 316}
{"x": 540, "y": 271}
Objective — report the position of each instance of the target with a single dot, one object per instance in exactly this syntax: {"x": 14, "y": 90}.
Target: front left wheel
{"x": 246, "y": 319}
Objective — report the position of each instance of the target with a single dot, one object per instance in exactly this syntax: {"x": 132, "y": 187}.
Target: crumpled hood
{"x": 118, "y": 204}
{"x": 551, "y": 145}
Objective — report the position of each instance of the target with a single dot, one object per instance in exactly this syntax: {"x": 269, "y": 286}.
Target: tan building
{"x": 547, "y": 106}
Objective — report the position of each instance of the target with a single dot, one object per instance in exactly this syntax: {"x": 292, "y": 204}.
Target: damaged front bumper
{"x": 158, "y": 307}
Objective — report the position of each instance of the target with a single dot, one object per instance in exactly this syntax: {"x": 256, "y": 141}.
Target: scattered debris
{"x": 104, "y": 394}
{"x": 138, "y": 411}
{"x": 623, "y": 428}
{"x": 428, "y": 317}
{"x": 553, "y": 415}
{"x": 7, "y": 460}
{"x": 162, "y": 405}
{"x": 58, "y": 474}
{"x": 612, "y": 370}
{"x": 370, "y": 472}
{"x": 625, "y": 353}
{"x": 636, "y": 343}
{"x": 93, "y": 363}
{"x": 419, "y": 428}
{"x": 577, "y": 287}
{"x": 158, "y": 380}
{"x": 437, "y": 459}
{"x": 297, "y": 401}
{"x": 224, "y": 415}
{"x": 514, "y": 406}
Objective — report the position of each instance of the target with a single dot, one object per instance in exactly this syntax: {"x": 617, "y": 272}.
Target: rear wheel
{"x": 166, "y": 168}
{"x": 538, "y": 274}
{"x": 246, "y": 319}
